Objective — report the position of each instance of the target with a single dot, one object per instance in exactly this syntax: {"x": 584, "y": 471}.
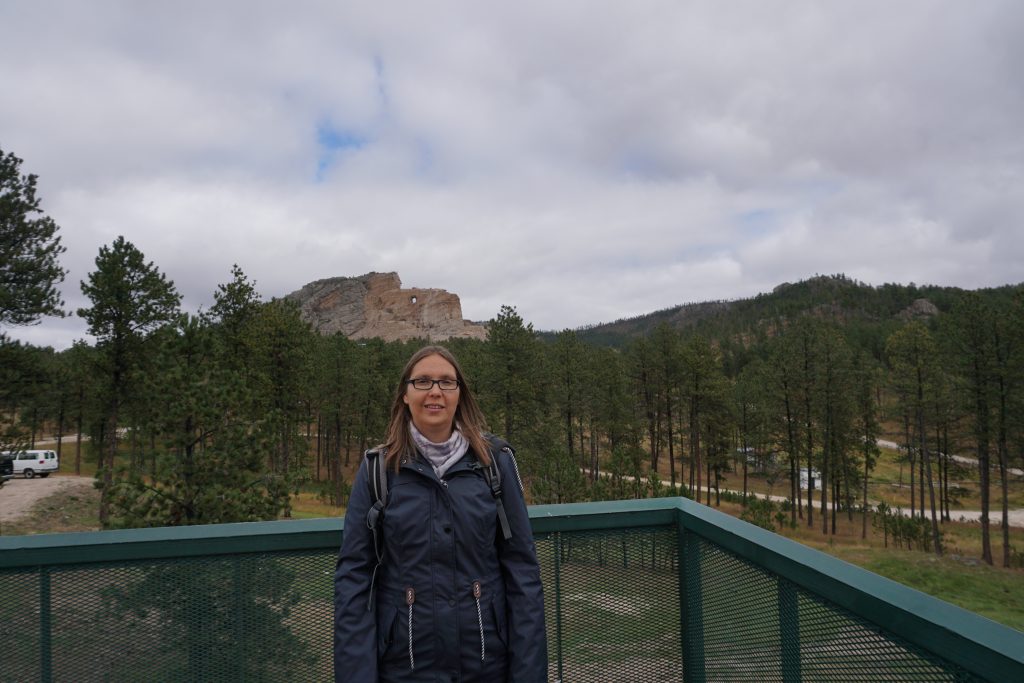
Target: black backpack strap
{"x": 493, "y": 476}
{"x": 377, "y": 480}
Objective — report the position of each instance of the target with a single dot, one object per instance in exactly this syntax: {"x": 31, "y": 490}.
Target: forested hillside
{"x": 864, "y": 310}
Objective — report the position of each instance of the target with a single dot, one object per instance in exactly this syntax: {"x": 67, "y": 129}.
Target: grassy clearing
{"x": 308, "y": 505}
{"x": 958, "y": 577}
{"x": 989, "y": 591}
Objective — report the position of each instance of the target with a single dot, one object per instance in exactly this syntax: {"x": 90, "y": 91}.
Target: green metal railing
{"x": 647, "y": 590}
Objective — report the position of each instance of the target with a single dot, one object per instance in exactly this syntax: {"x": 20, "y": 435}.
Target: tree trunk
{"x": 846, "y": 485}
{"x": 982, "y": 414}
{"x": 826, "y": 457}
{"x": 78, "y": 441}
{"x": 867, "y": 462}
{"x": 671, "y": 448}
{"x": 695, "y": 460}
{"x": 1003, "y": 466}
{"x": 926, "y": 464}
{"x": 796, "y": 493}
{"x": 910, "y": 456}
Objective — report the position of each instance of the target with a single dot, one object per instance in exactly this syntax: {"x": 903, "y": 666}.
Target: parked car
{"x": 31, "y": 463}
{"x": 6, "y": 467}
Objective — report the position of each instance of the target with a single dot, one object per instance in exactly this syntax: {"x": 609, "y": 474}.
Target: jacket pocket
{"x": 500, "y": 621}
{"x": 387, "y": 625}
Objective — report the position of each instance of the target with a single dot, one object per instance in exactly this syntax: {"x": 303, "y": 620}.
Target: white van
{"x": 31, "y": 463}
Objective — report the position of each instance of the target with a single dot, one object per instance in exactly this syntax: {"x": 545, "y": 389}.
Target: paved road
{"x": 963, "y": 459}
{"x": 1015, "y": 517}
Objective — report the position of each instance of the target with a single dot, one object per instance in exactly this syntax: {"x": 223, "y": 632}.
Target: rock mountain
{"x": 375, "y": 305}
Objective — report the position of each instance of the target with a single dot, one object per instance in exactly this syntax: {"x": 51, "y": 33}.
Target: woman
{"x": 450, "y": 598}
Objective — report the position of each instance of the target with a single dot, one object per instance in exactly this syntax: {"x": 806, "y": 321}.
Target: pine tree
{"x": 279, "y": 345}
{"x": 834, "y": 413}
{"x": 913, "y": 356}
{"x": 81, "y": 362}
{"x": 568, "y": 384}
{"x": 667, "y": 348}
{"x": 781, "y": 383}
{"x": 514, "y": 384}
{"x": 867, "y": 426}
{"x": 970, "y": 350}
{"x": 804, "y": 347}
{"x": 130, "y": 299}
{"x": 211, "y": 467}
{"x": 29, "y": 250}
{"x": 704, "y": 391}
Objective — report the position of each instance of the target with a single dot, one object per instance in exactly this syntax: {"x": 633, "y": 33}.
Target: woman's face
{"x": 432, "y": 410}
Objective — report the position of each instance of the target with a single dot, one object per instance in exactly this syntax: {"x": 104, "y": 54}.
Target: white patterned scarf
{"x": 441, "y": 456}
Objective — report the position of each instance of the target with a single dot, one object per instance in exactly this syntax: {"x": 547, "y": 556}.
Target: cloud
{"x": 581, "y": 161}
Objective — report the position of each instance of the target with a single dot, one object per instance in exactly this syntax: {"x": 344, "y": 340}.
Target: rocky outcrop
{"x": 920, "y": 309}
{"x": 375, "y": 305}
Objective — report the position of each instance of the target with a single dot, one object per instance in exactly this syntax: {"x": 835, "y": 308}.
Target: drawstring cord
{"x": 479, "y": 618}
{"x": 410, "y": 598}
{"x": 373, "y": 581}
{"x": 515, "y": 466}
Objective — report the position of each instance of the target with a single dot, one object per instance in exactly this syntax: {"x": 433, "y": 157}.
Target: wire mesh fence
{"x": 254, "y": 617}
{"x": 612, "y": 601}
{"x": 624, "y": 602}
{"x": 754, "y": 625}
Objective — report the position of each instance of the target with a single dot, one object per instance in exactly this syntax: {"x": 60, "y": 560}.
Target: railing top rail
{"x": 168, "y": 542}
{"x": 224, "y": 539}
{"x": 610, "y": 514}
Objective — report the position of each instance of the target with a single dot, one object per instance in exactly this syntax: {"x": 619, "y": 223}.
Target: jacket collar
{"x": 420, "y": 465}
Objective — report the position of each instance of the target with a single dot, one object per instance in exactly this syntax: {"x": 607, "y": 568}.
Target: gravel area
{"x": 18, "y": 495}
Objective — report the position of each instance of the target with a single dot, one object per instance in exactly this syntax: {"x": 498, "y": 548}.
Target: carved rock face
{"x": 375, "y": 305}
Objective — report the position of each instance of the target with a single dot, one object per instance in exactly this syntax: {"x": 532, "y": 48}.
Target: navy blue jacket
{"x": 477, "y": 605}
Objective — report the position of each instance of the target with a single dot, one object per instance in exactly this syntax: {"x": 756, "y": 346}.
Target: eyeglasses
{"x": 424, "y": 384}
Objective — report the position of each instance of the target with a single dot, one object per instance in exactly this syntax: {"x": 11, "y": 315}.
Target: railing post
{"x": 558, "y": 604}
{"x": 691, "y": 613}
{"x": 789, "y": 631}
{"x": 45, "y": 627}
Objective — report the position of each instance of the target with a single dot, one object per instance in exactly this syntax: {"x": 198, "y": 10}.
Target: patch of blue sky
{"x": 758, "y": 221}
{"x": 640, "y": 165}
{"x": 382, "y": 90}
{"x": 424, "y": 163}
{"x": 333, "y": 143}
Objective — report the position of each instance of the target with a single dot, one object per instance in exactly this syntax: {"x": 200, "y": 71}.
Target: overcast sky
{"x": 582, "y": 161}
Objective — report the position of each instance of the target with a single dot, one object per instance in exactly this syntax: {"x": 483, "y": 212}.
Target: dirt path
{"x": 18, "y": 496}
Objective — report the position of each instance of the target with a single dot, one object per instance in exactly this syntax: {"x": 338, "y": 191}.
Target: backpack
{"x": 377, "y": 479}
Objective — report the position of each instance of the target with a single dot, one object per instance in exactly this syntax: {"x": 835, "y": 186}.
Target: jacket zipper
{"x": 477, "y": 592}
{"x": 410, "y": 598}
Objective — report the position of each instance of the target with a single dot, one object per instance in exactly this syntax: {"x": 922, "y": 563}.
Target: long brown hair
{"x": 468, "y": 415}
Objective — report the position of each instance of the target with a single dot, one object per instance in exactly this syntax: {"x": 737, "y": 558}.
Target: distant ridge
{"x": 834, "y": 297}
